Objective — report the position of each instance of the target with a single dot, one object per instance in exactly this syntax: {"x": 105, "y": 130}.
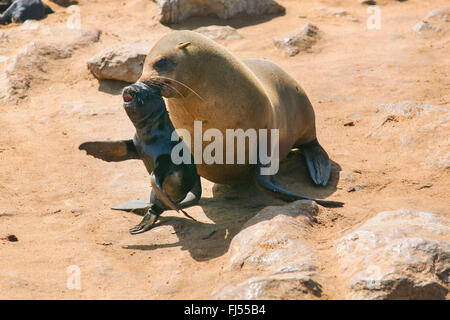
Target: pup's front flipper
{"x": 111, "y": 151}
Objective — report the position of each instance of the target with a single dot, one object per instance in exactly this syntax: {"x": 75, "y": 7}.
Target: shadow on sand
{"x": 237, "y": 22}
{"x": 232, "y": 206}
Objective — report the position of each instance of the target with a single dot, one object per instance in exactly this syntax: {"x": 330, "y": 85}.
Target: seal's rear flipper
{"x": 111, "y": 150}
{"x": 318, "y": 162}
{"x": 268, "y": 185}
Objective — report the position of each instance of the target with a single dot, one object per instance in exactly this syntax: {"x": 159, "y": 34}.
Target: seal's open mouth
{"x": 128, "y": 98}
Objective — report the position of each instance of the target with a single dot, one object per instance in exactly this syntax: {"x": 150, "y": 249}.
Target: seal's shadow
{"x": 232, "y": 206}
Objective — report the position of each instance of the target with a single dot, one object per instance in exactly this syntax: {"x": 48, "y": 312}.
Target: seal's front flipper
{"x": 268, "y": 185}
{"x": 318, "y": 162}
{"x": 135, "y": 206}
{"x": 111, "y": 150}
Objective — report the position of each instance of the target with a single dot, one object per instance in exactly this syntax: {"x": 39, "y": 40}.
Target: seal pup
{"x": 202, "y": 81}
{"x": 21, "y": 10}
{"x": 174, "y": 186}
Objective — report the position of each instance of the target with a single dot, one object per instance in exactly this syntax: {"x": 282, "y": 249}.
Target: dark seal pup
{"x": 21, "y": 10}
{"x": 173, "y": 186}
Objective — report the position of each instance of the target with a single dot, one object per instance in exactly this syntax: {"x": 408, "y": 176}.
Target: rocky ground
{"x": 381, "y": 98}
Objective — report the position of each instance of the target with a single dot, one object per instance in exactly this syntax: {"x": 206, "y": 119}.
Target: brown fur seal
{"x": 202, "y": 81}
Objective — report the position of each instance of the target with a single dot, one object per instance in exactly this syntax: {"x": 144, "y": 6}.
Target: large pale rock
{"x": 273, "y": 240}
{"x": 402, "y": 254}
{"x": 175, "y": 11}
{"x": 301, "y": 40}
{"x": 219, "y": 32}
{"x": 292, "y": 286}
{"x": 272, "y": 248}
{"x": 123, "y": 63}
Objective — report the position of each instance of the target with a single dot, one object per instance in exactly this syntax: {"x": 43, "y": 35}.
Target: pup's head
{"x": 143, "y": 103}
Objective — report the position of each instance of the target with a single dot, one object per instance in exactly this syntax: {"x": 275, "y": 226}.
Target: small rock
{"x": 301, "y": 40}
{"x": 272, "y": 246}
{"x": 339, "y": 12}
{"x": 368, "y": 2}
{"x": 219, "y": 32}
{"x": 356, "y": 188}
{"x": 12, "y": 238}
{"x": 349, "y": 124}
{"x": 76, "y": 211}
{"x": 123, "y": 63}
{"x": 175, "y": 11}
{"x": 440, "y": 14}
{"x": 424, "y": 26}
{"x": 435, "y": 21}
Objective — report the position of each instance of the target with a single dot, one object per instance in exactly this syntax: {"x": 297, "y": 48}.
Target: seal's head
{"x": 184, "y": 62}
{"x": 143, "y": 103}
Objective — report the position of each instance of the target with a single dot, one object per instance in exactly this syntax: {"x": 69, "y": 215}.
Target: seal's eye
{"x": 162, "y": 63}
{"x": 128, "y": 97}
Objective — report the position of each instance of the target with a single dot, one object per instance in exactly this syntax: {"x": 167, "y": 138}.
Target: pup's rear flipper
{"x": 135, "y": 206}
{"x": 318, "y": 162}
{"x": 268, "y": 185}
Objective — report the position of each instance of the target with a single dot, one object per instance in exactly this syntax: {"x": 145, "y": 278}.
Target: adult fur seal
{"x": 202, "y": 81}
{"x": 173, "y": 186}
{"x": 21, "y": 10}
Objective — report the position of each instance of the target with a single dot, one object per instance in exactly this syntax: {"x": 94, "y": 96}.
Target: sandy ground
{"x": 56, "y": 200}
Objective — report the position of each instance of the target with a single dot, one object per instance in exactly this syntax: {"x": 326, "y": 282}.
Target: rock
{"x": 356, "y": 188}
{"x": 440, "y": 14}
{"x": 219, "y": 32}
{"x": 272, "y": 247}
{"x": 301, "y": 40}
{"x": 123, "y": 63}
{"x": 424, "y": 26}
{"x": 21, "y": 10}
{"x": 175, "y": 11}
{"x": 339, "y": 12}
{"x": 403, "y": 254}
{"x": 272, "y": 240}
{"x": 434, "y": 22}
{"x": 31, "y": 62}
{"x": 368, "y": 2}
{"x": 280, "y": 286}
